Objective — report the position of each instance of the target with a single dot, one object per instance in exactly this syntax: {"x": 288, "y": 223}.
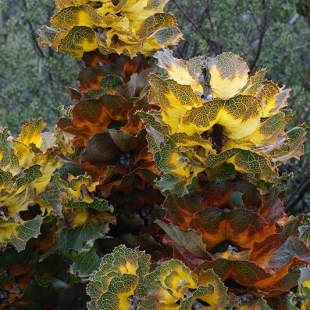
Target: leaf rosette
{"x": 124, "y": 27}
{"x": 245, "y": 237}
{"x": 217, "y": 121}
{"x": 124, "y": 280}
{"x": 26, "y": 167}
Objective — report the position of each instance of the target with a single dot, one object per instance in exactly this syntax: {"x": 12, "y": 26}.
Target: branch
{"x": 214, "y": 45}
{"x": 301, "y": 88}
{"x": 297, "y": 196}
{"x": 263, "y": 29}
{"x": 36, "y": 46}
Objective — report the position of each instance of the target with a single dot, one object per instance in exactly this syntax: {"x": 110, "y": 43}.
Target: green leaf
{"x": 85, "y": 262}
{"x": 111, "y": 83}
{"x": 190, "y": 240}
{"x": 75, "y": 238}
{"x": 235, "y": 200}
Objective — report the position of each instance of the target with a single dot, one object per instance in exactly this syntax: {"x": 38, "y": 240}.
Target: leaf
{"x": 304, "y": 232}
{"x": 241, "y": 227}
{"x": 97, "y": 204}
{"x": 75, "y": 238}
{"x": 119, "y": 276}
{"x": 238, "y": 115}
{"x": 217, "y": 298}
{"x": 255, "y": 304}
{"x": 126, "y": 28}
{"x": 261, "y": 252}
{"x": 168, "y": 281}
{"x": 110, "y": 84}
{"x": 179, "y": 69}
{"x": 244, "y": 272}
{"x": 293, "y": 250}
{"x": 92, "y": 116}
{"x": 19, "y": 233}
{"x": 190, "y": 240}
{"x": 229, "y": 74}
{"x": 179, "y": 210}
{"x": 99, "y": 153}
{"x": 179, "y": 171}
{"x": 31, "y": 133}
{"x": 173, "y": 99}
{"x": 85, "y": 262}
{"x": 292, "y": 147}
{"x": 37, "y": 295}
{"x": 136, "y": 84}
{"x": 252, "y": 163}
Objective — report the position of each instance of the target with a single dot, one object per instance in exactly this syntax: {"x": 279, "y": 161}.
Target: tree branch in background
{"x": 33, "y": 34}
{"x": 215, "y": 46}
{"x": 301, "y": 190}
{"x": 301, "y": 88}
{"x": 268, "y": 18}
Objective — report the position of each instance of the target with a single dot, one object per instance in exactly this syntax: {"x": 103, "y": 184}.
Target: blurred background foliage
{"x": 274, "y": 34}
{"x": 32, "y": 77}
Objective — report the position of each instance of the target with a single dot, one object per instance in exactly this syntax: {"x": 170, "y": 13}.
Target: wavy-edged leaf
{"x": 178, "y": 69}
{"x": 229, "y": 74}
{"x": 239, "y": 116}
{"x": 19, "y": 233}
{"x": 242, "y": 227}
{"x": 118, "y": 278}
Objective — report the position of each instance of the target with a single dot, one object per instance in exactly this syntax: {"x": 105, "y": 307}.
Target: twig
{"x": 297, "y": 196}
{"x": 301, "y": 88}
{"x": 217, "y": 48}
{"x": 263, "y": 29}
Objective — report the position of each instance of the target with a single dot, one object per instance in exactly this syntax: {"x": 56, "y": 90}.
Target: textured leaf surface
{"x": 117, "y": 278}
{"x": 229, "y": 74}
{"x": 27, "y": 164}
{"x": 19, "y": 233}
{"x": 209, "y": 108}
{"x": 129, "y": 27}
{"x": 242, "y": 227}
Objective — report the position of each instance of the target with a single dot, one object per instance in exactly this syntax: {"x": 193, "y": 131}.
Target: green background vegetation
{"x": 274, "y": 34}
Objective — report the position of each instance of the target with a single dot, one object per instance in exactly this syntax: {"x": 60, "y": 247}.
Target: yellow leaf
{"x": 31, "y": 133}
{"x": 17, "y": 202}
{"x": 239, "y": 117}
{"x": 7, "y": 230}
{"x": 80, "y": 187}
{"x": 128, "y": 268}
{"x": 78, "y": 40}
{"x": 229, "y": 74}
{"x": 173, "y": 99}
{"x": 49, "y": 163}
{"x": 177, "y": 70}
{"x": 23, "y": 152}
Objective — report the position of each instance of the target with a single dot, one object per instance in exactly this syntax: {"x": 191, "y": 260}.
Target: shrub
{"x": 164, "y": 191}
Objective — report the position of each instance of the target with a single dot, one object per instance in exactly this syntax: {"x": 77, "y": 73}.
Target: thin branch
{"x": 295, "y": 48}
{"x": 301, "y": 88}
{"x": 214, "y": 45}
{"x": 263, "y": 29}
{"x": 36, "y": 46}
{"x": 297, "y": 196}
{"x": 247, "y": 35}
